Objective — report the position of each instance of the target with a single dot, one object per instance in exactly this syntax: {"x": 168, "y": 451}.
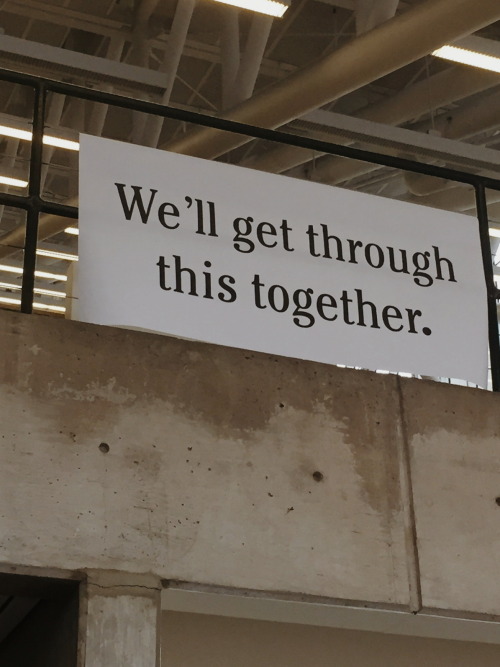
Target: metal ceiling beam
{"x": 449, "y": 86}
{"x": 34, "y": 9}
{"x": 371, "y": 13}
{"x": 455, "y": 199}
{"x": 468, "y": 121}
{"x": 405, "y": 141}
{"x": 385, "y": 49}
{"x": 79, "y": 64}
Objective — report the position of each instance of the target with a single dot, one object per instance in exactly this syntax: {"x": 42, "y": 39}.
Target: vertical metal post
{"x": 35, "y": 178}
{"x": 494, "y": 342}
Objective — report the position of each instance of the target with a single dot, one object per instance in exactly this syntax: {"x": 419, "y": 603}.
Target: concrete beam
{"x": 139, "y": 453}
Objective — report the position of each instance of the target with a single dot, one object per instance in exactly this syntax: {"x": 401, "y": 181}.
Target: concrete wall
{"x": 133, "y": 452}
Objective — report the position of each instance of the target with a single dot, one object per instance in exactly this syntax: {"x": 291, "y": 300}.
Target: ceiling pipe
{"x": 374, "y": 54}
{"x": 443, "y": 88}
{"x": 172, "y": 56}
{"x": 252, "y": 56}
{"x": 230, "y": 54}
{"x": 240, "y": 71}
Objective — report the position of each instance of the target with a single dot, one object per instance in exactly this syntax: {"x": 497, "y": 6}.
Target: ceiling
{"x": 350, "y": 71}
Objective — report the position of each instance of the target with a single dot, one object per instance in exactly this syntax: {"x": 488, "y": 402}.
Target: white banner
{"x": 233, "y": 256}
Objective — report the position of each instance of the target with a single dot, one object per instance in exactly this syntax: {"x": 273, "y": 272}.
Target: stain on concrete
{"x": 86, "y": 378}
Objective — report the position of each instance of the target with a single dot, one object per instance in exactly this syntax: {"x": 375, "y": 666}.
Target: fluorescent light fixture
{"x": 15, "y": 133}
{"x": 38, "y": 306}
{"x": 37, "y": 290}
{"x": 51, "y": 276}
{"x": 38, "y": 274}
{"x": 15, "y": 182}
{"x": 269, "y": 7}
{"x": 57, "y": 142}
{"x": 50, "y": 308}
{"x": 474, "y": 51}
{"x": 48, "y": 140}
{"x": 49, "y": 292}
{"x": 57, "y": 255}
{"x": 494, "y": 231}
{"x": 13, "y": 302}
{"x": 72, "y": 230}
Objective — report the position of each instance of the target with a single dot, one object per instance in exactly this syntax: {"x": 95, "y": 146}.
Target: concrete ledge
{"x": 133, "y": 452}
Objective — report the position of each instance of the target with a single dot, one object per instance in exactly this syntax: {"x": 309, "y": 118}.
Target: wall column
{"x": 120, "y": 620}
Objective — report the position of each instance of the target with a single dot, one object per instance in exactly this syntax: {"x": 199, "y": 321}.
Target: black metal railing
{"x": 34, "y": 204}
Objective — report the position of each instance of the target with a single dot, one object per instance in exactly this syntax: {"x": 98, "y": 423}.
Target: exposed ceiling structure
{"x": 355, "y": 72}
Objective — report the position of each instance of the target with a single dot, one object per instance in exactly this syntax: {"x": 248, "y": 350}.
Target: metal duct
{"x": 388, "y": 47}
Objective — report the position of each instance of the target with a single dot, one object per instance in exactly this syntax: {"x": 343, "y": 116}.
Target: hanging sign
{"x": 227, "y": 255}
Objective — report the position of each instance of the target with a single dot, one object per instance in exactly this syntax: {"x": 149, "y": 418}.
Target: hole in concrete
{"x": 497, "y": 500}
{"x": 318, "y": 476}
{"x": 104, "y": 447}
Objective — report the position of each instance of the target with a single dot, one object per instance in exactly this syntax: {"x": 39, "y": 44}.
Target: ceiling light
{"x": 57, "y": 255}
{"x": 48, "y": 140}
{"x": 72, "y": 230}
{"x": 38, "y": 274}
{"x": 13, "y": 302}
{"x": 16, "y": 182}
{"x": 57, "y": 142}
{"x": 15, "y": 133}
{"x": 38, "y": 306}
{"x": 38, "y": 290}
{"x": 50, "y": 308}
{"x": 474, "y": 51}
{"x": 50, "y": 276}
{"x": 493, "y": 231}
{"x": 269, "y": 7}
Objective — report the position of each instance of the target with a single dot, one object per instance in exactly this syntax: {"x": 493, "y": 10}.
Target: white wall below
{"x": 195, "y": 640}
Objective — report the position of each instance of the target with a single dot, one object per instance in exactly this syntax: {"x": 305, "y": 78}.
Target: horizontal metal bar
{"x": 7, "y": 199}
{"x": 59, "y": 209}
{"x": 250, "y": 130}
{"x": 36, "y": 203}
